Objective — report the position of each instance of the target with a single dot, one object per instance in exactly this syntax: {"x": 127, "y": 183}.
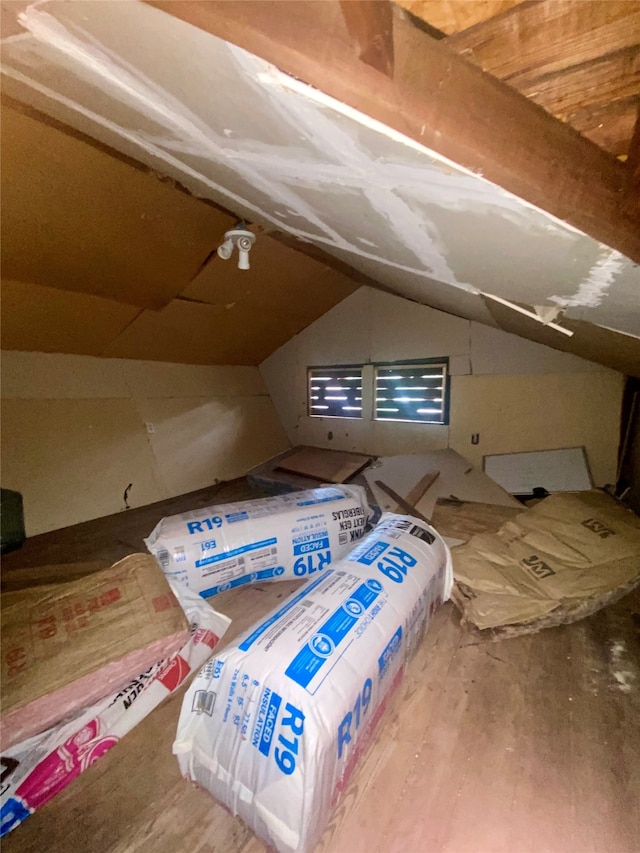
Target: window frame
{"x": 414, "y": 362}
{"x": 335, "y": 367}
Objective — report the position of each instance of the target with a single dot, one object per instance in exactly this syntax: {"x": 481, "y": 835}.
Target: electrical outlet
{"x": 151, "y": 428}
{"x": 475, "y": 438}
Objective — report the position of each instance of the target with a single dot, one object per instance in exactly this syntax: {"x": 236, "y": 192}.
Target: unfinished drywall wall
{"x": 538, "y": 412}
{"x": 516, "y": 394}
{"x": 76, "y": 431}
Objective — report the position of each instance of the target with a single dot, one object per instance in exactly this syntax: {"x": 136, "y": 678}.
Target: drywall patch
{"x": 601, "y": 276}
{"x": 272, "y": 76}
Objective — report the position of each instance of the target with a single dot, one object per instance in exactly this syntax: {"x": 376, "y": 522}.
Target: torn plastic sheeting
{"x": 275, "y": 725}
{"x": 286, "y": 537}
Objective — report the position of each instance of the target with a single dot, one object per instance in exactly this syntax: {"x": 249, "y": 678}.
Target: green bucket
{"x": 11, "y": 520}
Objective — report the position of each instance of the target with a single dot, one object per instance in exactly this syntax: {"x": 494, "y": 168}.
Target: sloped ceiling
{"x": 102, "y": 258}
{"x": 77, "y": 219}
{"x": 234, "y": 130}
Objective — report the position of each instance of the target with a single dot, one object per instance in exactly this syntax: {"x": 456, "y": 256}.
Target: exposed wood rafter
{"x": 578, "y": 60}
{"x": 370, "y": 23}
{"x": 610, "y": 126}
{"x": 439, "y": 99}
{"x": 548, "y": 37}
{"x": 613, "y": 77}
{"x": 451, "y": 16}
{"x": 633, "y": 155}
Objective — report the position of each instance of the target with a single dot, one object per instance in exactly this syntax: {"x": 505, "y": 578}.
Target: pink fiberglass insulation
{"x": 65, "y": 646}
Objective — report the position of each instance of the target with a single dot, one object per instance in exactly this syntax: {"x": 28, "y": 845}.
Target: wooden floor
{"x": 531, "y": 744}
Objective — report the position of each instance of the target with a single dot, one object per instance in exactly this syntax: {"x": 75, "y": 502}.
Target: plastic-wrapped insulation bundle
{"x": 286, "y": 537}
{"x": 274, "y": 725}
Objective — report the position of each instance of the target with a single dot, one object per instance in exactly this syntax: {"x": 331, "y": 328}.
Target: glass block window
{"x": 335, "y": 392}
{"x": 412, "y": 391}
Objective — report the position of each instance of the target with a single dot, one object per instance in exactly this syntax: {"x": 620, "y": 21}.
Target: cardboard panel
{"x": 197, "y": 441}
{"x": 327, "y": 466}
{"x": 400, "y": 325}
{"x": 77, "y": 430}
{"x": 457, "y": 477}
{"x": 514, "y": 414}
{"x": 280, "y": 279}
{"x": 606, "y": 346}
{"x": 197, "y": 333}
{"x": 43, "y": 319}
{"x": 73, "y": 459}
{"x": 188, "y": 380}
{"x": 78, "y": 219}
{"x": 495, "y": 351}
{"x": 34, "y": 374}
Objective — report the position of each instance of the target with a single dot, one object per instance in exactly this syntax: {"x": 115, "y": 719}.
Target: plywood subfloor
{"x": 532, "y": 744}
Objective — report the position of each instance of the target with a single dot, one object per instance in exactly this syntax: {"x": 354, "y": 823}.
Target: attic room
{"x": 228, "y": 229}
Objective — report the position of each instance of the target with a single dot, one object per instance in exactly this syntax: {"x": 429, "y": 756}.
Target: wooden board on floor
{"x": 326, "y": 466}
{"x": 457, "y": 478}
{"x": 463, "y": 519}
{"x": 106, "y": 540}
{"x": 58, "y": 573}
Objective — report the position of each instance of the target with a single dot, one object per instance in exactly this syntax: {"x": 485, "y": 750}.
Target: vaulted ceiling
{"x": 386, "y": 153}
{"x": 100, "y": 257}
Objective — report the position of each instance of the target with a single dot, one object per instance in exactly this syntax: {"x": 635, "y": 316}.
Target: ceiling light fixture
{"x": 243, "y": 239}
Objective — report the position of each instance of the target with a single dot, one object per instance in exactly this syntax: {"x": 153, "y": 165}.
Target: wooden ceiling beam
{"x": 370, "y": 23}
{"x": 597, "y": 83}
{"x": 633, "y": 155}
{"x": 610, "y": 126}
{"x": 440, "y": 100}
{"x": 451, "y": 16}
{"x": 548, "y": 36}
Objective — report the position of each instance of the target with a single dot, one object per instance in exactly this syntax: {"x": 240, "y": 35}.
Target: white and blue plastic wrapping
{"x": 274, "y": 725}
{"x": 287, "y": 537}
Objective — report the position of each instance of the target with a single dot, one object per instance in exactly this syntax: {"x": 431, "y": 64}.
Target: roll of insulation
{"x": 275, "y": 724}
{"x": 290, "y": 536}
